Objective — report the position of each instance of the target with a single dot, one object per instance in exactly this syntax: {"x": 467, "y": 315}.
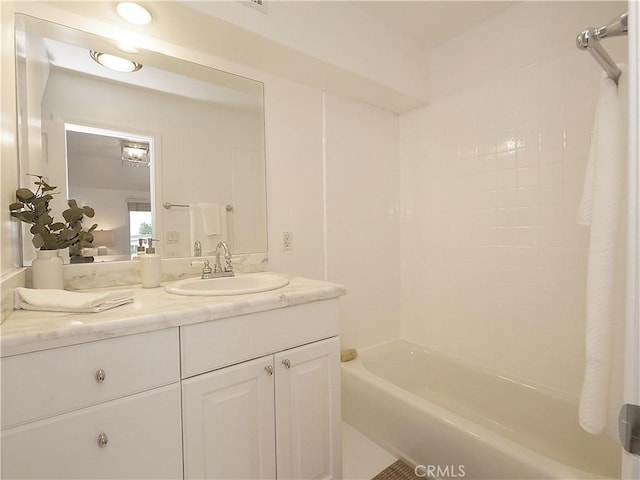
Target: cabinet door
{"x": 134, "y": 437}
{"x": 308, "y": 411}
{"x": 229, "y": 425}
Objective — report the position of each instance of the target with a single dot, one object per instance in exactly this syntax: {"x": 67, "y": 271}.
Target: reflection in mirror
{"x": 172, "y": 132}
{"x": 110, "y": 167}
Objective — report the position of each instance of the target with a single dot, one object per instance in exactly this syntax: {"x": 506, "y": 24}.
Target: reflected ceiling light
{"x": 133, "y": 13}
{"x": 112, "y": 62}
{"x": 135, "y": 154}
{"x": 127, "y": 47}
{"x": 128, "y": 42}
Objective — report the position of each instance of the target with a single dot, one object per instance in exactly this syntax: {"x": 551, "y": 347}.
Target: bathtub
{"x": 452, "y": 419}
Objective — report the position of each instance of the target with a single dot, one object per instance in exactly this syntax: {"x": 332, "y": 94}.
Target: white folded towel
{"x": 211, "y": 218}
{"x": 53, "y": 300}
{"x": 208, "y": 224}
{"x": 602, "y": 207}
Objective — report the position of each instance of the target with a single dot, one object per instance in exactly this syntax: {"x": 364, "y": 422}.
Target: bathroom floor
{"x": 397, "y": 471}
{"x": 362, "y": 459}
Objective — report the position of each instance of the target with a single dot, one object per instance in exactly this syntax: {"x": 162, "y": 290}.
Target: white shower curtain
{"x": 603, "y": 207}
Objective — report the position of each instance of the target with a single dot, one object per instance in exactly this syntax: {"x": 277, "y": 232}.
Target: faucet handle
{"x": 207, "y": 272}
{"x": 228, "y": 267}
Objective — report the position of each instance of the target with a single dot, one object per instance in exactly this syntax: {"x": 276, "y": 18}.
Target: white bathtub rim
{"x": 525, "y": 455}
{"x": 561, "y": 395}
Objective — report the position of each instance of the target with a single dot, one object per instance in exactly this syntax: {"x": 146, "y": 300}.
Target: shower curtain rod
{"x": 589, "y": 39}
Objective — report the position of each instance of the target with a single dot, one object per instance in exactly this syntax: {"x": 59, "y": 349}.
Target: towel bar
{"x": 169, "y": 206}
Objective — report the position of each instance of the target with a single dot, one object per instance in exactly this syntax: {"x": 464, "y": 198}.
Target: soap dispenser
{"x": 139, "y": 250}
{"x": 150, "y": 266}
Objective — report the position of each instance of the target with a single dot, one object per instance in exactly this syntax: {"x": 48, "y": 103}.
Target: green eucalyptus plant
{"x": 33, "y": 208}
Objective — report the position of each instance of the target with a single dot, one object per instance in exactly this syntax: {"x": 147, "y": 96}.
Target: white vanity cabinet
{"x": 229, "y": 423}
{"x": 254, "y": 395}
{"x": 275, "y": 416}
{"x": 133, "y": 437}
{"x": 308, "y": 414}
{"x": 104, "y": 409}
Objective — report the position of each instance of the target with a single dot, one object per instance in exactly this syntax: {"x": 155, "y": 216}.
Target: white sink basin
{"x": 236, "y": 285}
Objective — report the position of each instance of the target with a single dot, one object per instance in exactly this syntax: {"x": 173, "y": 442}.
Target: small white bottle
{"x": 150, "y": 267}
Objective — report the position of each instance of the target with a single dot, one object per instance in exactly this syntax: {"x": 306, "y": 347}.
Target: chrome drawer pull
{"x": 100, "y": 375}
{"x": 103, "y": 440}
{"x": 286, "y": 363}
{"x": 269, "y": 369}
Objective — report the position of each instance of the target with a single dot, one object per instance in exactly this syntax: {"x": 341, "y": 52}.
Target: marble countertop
{"x": 152, "y": 309}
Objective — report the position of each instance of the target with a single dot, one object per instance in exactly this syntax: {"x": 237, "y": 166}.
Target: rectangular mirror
{"x": 173, "y": 150}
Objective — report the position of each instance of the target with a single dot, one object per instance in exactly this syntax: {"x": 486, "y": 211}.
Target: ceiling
{"x": 95, "y": 161}
{"x": 430, "y": 23}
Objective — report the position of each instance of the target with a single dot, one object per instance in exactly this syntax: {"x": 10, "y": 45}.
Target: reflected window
{"x": 140, "y": 224}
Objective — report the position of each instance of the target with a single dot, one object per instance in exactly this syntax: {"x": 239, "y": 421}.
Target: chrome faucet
{"x": 197, "y": 249}
{"x": 218, "y": 271}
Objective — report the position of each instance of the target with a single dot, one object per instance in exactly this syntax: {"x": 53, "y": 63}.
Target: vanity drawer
{"x": 219, "y": 343}
{"x": 138, "y": 436}
{"x": 40, "y": 384}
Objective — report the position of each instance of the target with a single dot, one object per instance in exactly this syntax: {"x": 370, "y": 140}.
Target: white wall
{"x": 362, "y": 225}
{"x": 338, "y": 33}
{"x": 10, "y": 257}
{"x": 111, "y": 214}
{"x": 493, "y": 264}
{"x": 293, "y": 115}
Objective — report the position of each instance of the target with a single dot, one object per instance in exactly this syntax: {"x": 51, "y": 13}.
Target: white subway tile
{"x": 551, "y": 194}
{"x": 527, "y": 196}
{"x": 506, "y": 160}
{"x": 506, "y": 198}
{"x": 527, "y": 176}
{"x": 487, "y": 163}
{"x": 505, "y": 179}
{"x": 528, "y": 156}
{"x": 551, "y": 256}
{"x": 496, "y": 203}
{"x": 551, "y": 173}
{"x": 550, "y": 236}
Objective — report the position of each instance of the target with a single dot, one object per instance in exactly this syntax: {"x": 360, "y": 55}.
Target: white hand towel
{"x": 602, "y": 207}
{"x": 216, "y": 221}
{"x": 195, "y": 223}
{"x": 53, "y": 300}
{"x": 211, "y": 218}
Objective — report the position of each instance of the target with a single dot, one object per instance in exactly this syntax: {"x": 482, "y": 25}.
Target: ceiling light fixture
{"x": 133, "y": 13}
{"x": 135, "y": 154}
{"x": 112, "y": 62}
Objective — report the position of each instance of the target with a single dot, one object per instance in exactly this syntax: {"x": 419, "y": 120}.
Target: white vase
{"x": 46, "y": 270}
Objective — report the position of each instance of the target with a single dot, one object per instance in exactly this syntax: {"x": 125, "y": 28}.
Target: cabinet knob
{"x": 269, "y": 369}
{"x": 103, "y": 440}
{"x": 286, "y": 363}
{"x": 100, "y": 375}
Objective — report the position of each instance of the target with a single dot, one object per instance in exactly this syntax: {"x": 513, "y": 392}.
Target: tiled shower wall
{"x": 494, "y": 263}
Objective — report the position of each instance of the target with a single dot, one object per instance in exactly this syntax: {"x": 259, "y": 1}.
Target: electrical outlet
{"x": 287, "y": 241}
